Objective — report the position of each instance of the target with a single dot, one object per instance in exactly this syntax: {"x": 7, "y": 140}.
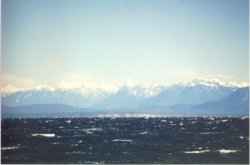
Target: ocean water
{"x": 126, "y": 140}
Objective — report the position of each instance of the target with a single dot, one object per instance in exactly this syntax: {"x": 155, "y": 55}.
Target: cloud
{"x": 12, "y": 83}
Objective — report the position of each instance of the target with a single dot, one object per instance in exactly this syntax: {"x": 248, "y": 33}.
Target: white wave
{"x": 10, "y": 148}
{"x": 196, "y": 152}
{"x": 68, "y": 121}
{"x": 241, "y": 137}
{"x": 227, "y": 151}
{"x": 48, "y": 135}
{"x": 122, "y": 140}
{"x": 209, "y": 133}
{"x": 143, "y": 133}
{"x": 244, "y": 117}
{"x": 224, "y": 121}
{"x": 92, "y": 130}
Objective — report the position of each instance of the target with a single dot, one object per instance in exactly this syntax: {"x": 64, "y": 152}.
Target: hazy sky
{"x": 50, "y": 41}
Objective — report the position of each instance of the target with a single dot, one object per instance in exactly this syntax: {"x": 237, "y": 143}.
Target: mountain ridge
{"x": 179, "y": 93}
{"x": 174, "y": 100}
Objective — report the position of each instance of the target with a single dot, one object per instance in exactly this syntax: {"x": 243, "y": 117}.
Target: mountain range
{"x": 192, "y": 99}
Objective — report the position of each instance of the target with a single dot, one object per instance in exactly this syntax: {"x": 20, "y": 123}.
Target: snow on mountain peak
{"x": 147, "y": 90}
{"x": 215, "y": 82}
{"x": 44, "y": 87}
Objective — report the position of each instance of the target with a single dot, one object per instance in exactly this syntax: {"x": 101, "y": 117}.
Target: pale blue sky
{"x": 142, "y": 41}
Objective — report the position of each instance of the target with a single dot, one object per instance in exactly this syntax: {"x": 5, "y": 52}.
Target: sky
{"x": 62, "y": 42}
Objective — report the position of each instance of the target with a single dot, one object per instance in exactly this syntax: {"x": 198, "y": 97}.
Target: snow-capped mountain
{"x": 194, "y": 94}
{"x": 68, "y": 97}
{"x": 125, "y": 97}
{"x": 237, "y": 103}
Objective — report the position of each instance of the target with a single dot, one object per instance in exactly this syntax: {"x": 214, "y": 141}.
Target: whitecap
{"x": 227, "y": 151}
{"x": 143, "y": 133}
{"x": 68, "y": 121}
{"x": 196, "y": 152}
{"x": 92, "y": 130}
{"x": 10, "y": 148}
{"x": 122, "y": 140}
{"x": 48, "y": 135}
{"x": 241, "y": 137}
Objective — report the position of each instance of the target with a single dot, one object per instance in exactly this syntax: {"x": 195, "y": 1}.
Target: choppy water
{"x": 125, "y": 140}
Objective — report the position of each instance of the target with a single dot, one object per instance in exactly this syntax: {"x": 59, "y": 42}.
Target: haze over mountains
{"x": 194, "y": 98}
